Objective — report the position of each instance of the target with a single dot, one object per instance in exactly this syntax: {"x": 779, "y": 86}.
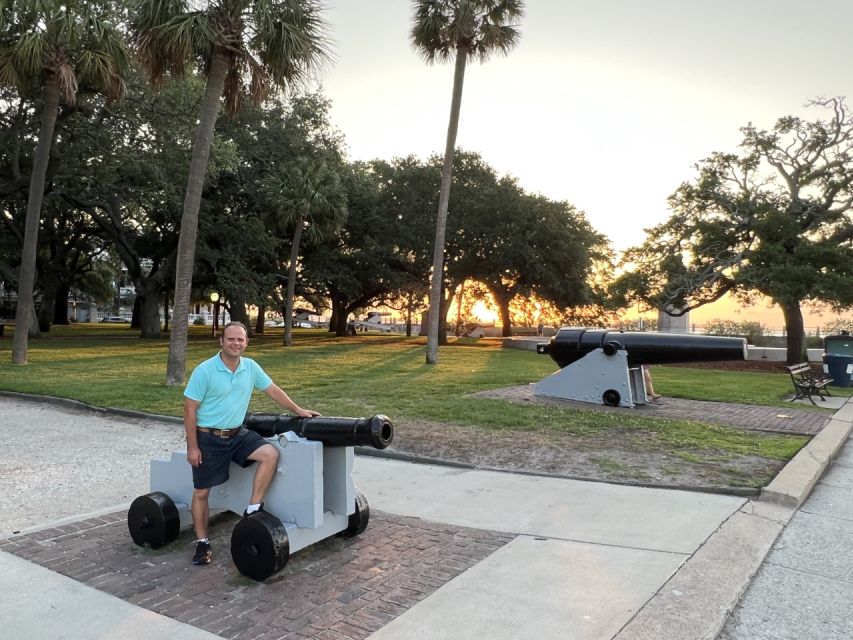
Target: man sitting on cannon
{"x": 216, "y": 399}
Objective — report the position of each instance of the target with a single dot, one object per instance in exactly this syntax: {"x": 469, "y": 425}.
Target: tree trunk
{"x": 506, "y": 321}
{"x": 45, "y": 312}
{"x": 60, "y": 304}
{"x": 259, "y": 322}
{"x": 239, "y": 313}
{"x": 795, "y": 332}
{"x": 149, "y": 316}
{"x": 339, "y": 316}
{"x": 148, "y": 293}
{"x": 458, "y": 330}
{"x": 136, "y": 313}
{"x": 176, "y": 366}
{"x": 434, "y": 338}
{"x": 27, "y": 276}
{"x": 291, "y": 284}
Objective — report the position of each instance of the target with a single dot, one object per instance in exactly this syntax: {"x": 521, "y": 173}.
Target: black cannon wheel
{"x": 153, "y": 519}
{"x": 358, "y": 520}
{"x": 611, "y": 398}
{"x": 259, "y": 546}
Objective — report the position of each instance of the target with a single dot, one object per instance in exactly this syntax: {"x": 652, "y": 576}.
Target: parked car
{"x": 115, "y": 319}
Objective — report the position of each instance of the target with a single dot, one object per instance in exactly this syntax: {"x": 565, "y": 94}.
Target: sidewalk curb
{"x": 82, "y": 406}
{"x": 696, "y": 601}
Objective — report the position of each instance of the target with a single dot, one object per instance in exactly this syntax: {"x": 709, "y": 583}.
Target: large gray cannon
{"x": 312, "y": 496}
{"x": 603, "y": 366}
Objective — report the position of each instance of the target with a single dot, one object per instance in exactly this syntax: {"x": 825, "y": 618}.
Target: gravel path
{"x": 58, "y": 462}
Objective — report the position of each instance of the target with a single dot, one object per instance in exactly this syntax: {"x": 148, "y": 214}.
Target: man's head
{"x": 234, "y": 339}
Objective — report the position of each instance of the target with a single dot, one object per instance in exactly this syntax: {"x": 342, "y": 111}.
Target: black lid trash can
{"x": 838, "y": 359}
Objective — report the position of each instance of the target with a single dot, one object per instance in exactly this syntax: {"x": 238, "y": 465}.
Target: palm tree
{"x": 63, "y": 47}
{"x": 307, "y": 195}
{"x": 440, "y": 30}
{"x": 244, "y": 48}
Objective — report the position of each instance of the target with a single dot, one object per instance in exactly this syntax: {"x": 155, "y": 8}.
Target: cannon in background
{"x": 312, "y": 496}
{"x": 603, "y": 366}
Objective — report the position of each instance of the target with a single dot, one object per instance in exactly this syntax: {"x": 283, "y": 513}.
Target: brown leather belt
{"x": 220, "y": 433}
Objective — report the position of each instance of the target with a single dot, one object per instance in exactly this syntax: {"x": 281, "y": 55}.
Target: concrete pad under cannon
{"x": 539, "y": 588}
{"x": 654, "y": 519}
{"x": 38, "y": 603}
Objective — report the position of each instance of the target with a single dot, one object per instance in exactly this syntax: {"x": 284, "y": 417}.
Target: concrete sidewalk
{"x": 584, "y": 560}
{"x": 804, "y": 589}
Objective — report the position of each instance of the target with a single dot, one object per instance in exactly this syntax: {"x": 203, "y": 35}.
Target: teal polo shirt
{"x": 224, "y": 396}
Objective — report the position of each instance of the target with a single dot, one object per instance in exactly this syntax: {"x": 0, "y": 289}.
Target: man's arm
{"x": 190, "y": 424}
{"x": 280, "y": 397}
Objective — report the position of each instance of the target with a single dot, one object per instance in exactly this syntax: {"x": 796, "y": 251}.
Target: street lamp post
{"x": 214, "y": 298}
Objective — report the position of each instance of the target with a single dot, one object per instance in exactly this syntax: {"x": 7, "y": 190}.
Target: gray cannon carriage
{"x": 603, "y": 366}
{"x": 312, "y": 496}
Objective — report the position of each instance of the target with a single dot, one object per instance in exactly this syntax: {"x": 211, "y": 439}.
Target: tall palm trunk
{"x": 27, "y": 278}
{"x": 291, "y": 285}
{"x": 794, "y": 332}
{"x": 176, "y": 366}
{"x": 443, "y": 200}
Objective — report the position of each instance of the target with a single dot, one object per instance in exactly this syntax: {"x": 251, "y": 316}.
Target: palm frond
{"x": 31, "y": 53}
{"x": 67, "y": 82}
{"x": 8, "y": 73}
{"x": 291, "y": 40}
{"x": 480, "y": 27}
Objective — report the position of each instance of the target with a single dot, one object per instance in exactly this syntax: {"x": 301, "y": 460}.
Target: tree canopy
{"x": 773, "y": 220}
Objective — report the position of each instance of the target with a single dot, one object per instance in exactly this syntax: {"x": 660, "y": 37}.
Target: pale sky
{"x": 606, "y": 104}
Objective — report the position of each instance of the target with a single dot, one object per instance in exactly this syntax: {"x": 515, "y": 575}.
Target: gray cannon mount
{"x": 312, "y": 495}
{"x": 603, "y": 366}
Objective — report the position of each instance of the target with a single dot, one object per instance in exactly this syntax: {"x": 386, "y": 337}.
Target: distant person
{"x": 650, "y": 390}
{"x": 540, "y": 329}
{"x": 215, "y": 403}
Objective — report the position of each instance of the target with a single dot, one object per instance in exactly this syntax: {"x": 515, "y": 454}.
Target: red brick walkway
{"x": 336, "y": 589}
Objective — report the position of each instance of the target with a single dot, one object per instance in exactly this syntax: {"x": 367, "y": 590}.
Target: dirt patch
{"x": 618, "y": 455}
{"x": 611, "y": 456}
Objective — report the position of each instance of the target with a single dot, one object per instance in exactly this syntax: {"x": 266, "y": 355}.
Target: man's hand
{"x": 307, "y": 413}
{"x": 194, "y": 456}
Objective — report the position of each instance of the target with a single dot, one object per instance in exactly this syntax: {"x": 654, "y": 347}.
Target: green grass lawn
{"x": 109, "y": 366}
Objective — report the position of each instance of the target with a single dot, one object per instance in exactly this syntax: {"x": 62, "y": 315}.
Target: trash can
{"x": 838, "y": 359}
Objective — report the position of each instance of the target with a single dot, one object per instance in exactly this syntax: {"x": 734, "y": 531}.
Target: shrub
{"x": 198, "y": 320}
{"x": 748, "y": 329}
{"x": 837, "y": 326}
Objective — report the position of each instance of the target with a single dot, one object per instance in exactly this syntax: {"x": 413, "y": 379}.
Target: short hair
{"x": 235, "y": 323}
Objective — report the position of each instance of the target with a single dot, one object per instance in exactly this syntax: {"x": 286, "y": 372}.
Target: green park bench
{"x": 808, "y": 383}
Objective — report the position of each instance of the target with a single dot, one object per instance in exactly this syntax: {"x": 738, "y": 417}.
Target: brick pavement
{"x": 791, "y": 420}
{"x": 337, "y": 589}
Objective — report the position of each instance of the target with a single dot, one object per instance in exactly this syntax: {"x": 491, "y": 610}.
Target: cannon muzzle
{"x": 570, "y": 344}
{"x": 376, "y": 432}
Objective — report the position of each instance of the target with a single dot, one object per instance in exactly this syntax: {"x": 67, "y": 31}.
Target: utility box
{"x": 838, "y": 359}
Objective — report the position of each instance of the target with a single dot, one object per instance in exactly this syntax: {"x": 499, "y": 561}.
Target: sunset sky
{"x": 605, "y": 104}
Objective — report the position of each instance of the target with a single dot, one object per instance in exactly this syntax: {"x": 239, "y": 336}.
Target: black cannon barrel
{"x": 570, "y": 344}
{"x": 376, "y": 432}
